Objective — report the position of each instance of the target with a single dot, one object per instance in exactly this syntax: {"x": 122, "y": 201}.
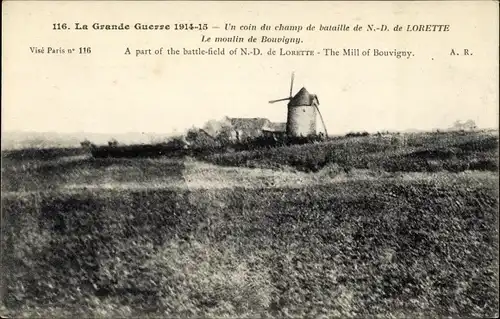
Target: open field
{"x": 374, "y": 228}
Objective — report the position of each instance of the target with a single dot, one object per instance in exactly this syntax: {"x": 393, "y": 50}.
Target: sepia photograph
{"x": 250, "y": 159}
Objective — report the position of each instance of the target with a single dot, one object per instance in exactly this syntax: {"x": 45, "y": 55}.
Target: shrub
{"x": 86, "y": 144}
{"x": 357, "y": 134}
{"x": 200, "y": 140}
{"x": 398, "y": 140}
{"x": 113, "y": 142}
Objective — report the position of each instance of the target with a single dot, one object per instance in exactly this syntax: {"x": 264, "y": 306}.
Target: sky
{"x": 109, "y": 92}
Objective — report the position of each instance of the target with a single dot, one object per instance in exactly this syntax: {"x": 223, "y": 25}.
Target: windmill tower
{"x": 302, "y": 111}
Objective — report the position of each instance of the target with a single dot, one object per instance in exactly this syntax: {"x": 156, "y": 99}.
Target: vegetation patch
{"x": 451, "y": 152}
{"x": 359, "y": 248}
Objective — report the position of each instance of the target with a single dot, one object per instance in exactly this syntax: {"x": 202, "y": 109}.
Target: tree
{"x": 457, "y": 125}
{"x": 86, "y": 144}
{"x": 470, "y": 125}
{"x": 192, "y": 135}
{"x": 216, "y": 128}
{"x": 178, "y": 142}
{"x": 113, "y": 142}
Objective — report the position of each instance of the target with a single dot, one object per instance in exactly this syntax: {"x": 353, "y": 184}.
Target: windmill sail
{"x": 284, "y": 99}
{"x": 322, "y": 121}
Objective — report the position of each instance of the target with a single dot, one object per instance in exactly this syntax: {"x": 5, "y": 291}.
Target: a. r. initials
{"x": 465, "y": 52}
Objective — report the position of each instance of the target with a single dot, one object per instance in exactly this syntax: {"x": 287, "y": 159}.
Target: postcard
{"x": 249, "y": 159}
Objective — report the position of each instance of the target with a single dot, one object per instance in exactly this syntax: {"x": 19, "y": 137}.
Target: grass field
{"x": 374, "y": 228}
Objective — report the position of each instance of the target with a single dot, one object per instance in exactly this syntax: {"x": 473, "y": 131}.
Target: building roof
{"x": 249, "y": 123}
{"x": 303, "y": 97}
{"x": 275, "y": 127}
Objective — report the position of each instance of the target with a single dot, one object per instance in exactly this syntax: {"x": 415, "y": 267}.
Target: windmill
{"x": 302, "y": 109}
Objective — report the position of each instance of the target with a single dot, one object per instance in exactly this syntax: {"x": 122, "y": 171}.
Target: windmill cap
{"x": 302, "y": 98}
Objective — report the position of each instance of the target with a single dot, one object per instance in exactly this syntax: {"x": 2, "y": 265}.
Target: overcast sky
{"x": 109, "y": 92}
